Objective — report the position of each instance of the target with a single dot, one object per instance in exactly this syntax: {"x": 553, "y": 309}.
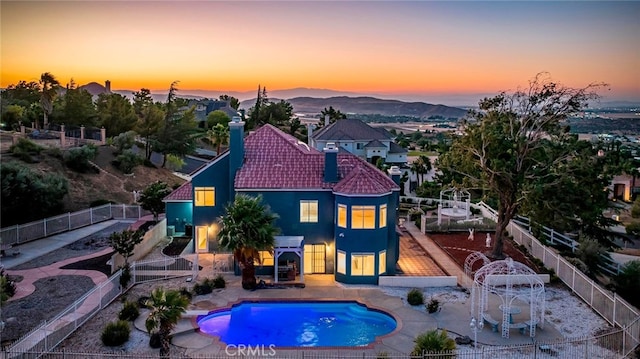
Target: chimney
{"x": 310, "y": 128}
{"x": 326, "y": 120}
{"x": 107, "y": 86}
{"x": 395, "y": 174}
{"x": 331, "y": 162}
{"x": 236, "y": 150}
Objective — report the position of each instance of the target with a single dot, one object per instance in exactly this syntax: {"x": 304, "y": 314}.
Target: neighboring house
{"x": 364, "y": 141}
{"x": 337, "y": 212}
{"x": 624, "y": 187}
{"x": 204, "y": 107}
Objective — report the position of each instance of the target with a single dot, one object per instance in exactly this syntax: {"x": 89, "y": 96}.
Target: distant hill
{"x": 368, "y": 106}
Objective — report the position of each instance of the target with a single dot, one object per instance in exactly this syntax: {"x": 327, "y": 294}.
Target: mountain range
{"x": 314, "y": 101}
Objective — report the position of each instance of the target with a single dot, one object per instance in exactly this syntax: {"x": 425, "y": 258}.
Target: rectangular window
{"x": 308, "y": 211}
{"x": 359, "y": 145}
{"x": 205, "y": 196}
{"x": 266, "y": 259}
{"x": 342, "y": 216}
{"x": 342, "y": 262}
{"x": 382, "y": 265}
{"x": 362, "y": 264}
{"x": 383, "y": 215}
{"x": 363, "y": 217}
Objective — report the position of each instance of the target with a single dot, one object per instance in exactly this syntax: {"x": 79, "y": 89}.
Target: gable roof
{"x": 180, "y": 194}
{"x": 375, "y": 144}
{"x": 276, "y": 160}
{"x": 396, "y": 148}
{"x": 350, "y": 129}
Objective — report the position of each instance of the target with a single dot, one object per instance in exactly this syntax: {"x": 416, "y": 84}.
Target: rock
{"x": 465, "y": 340}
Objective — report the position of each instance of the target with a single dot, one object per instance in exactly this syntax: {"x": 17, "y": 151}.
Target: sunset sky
{"x": 424, "y": 48}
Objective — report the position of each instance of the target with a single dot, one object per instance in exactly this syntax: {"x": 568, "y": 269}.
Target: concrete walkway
{"x": 40, "y": 247}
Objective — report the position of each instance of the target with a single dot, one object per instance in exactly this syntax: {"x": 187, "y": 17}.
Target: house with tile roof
{"x": 337, "y": 212}
{"x": 357, "y": 137}
{"x": 204, "y": 107}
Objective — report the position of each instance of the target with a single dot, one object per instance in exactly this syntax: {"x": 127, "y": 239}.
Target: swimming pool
{"x": 298, "y": 324}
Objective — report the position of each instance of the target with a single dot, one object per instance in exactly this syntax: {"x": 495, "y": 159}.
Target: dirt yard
{"x": 459, "y": 247}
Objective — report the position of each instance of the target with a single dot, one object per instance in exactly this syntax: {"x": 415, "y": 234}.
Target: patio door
{"x": 314, "y": 258}
{"x": 202, "y": 241}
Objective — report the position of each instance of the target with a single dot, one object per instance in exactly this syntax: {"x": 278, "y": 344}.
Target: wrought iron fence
{"x": 27, "y": 232}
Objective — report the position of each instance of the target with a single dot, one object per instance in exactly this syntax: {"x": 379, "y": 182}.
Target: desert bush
{"x": 115, "y": 333}
{"x": 186, "y": 293}
{"x": 633, "y": 228}
{"x": 7, "y": 287}
{"x": 627, "y": 282}
{"x": 433, "y": 305}
{"x": 219, "y": 282}
{"x": 127, "y": 161}
{"x": 204, "y": 287}
{"x": 415, "y": 297}
{"x": 142, "y": 302}
{"x": 635, "y": 210}
{"x": 78, "y": 158}
{"x": 129, "y": 311}
{"x": 24, "y": 149}
{"x": 123, "y": 141}
{"x": 592, "y": 254}
{"x": 434, "y": 341}
{"x": 55, "y": 152}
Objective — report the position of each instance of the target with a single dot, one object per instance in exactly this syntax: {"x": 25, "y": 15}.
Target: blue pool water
{"x": 298, "y": 324}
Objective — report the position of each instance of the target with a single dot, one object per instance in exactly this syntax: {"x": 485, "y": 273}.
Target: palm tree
{"x": 49, "y": 90}
{"x": 219, "y": 136}
{"x": 167, "y": 308}
{"x": 421, "y": 166}
{"x": 247, "y": 228}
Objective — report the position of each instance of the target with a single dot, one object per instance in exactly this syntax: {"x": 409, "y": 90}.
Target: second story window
{"x": 383, "y": 216}
{"x": 205, "y": 196}
{"x": 308, "y": 211}
{"x": 363, "y": 217}
{"x": 342, "y": 216}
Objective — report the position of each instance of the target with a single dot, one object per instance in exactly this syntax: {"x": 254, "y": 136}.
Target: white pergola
{"x": 510, "y": 281}
{"x": 288, "y": 244}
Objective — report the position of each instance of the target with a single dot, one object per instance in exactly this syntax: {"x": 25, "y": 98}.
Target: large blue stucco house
{"x": 337, "y": 213}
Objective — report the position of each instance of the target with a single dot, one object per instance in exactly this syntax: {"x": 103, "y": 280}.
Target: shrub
{"x": 78, "y": 158}
{"x": 55, "y": 152}
{"x": 127, "y": 161}
{"x": 635, "y": 210}
{"x": 186, "y": 293}
{"x": 627, "y": 282}
{"x": 415, "y": 297}
{"x": 219, "y": 282}
{"x": 24, "y": 149}
{"x": 633, "y": 228}
{"x": 125, "y": 277}
{"x": 592, "y": 254}
{"x": 115, "y": 333}
{"x": 129, "y": 311}
{"x": 154, "y": 340}
{"x": 142, "y": 302}
{"x": 7, "y": 287}
{"x": 204, "y": 287}
{"x": 124, "y": 141}
{"x": 433, "y": 305}
{"x": 434, "y": 341}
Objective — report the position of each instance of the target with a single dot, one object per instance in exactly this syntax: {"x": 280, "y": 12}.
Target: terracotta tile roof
{"x": 182, "y": 193}
{"x": 275, "y": 160}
